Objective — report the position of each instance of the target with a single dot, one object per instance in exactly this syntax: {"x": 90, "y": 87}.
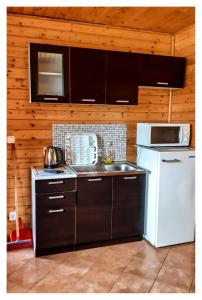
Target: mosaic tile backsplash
{"x": 113, "y": 134}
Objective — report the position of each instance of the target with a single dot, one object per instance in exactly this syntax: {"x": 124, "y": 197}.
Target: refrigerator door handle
{"x": 171, "y": 160}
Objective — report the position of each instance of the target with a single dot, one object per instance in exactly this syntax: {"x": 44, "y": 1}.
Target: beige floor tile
{"x": 180, "y": 260}
{"x": 130, "y": 268}
{"x": 128, "y": 283}
{"x": 87, "y": 287}
{"x": 13, "y": 266}
{"x": 28, "y": 275}
{"x": 54, "y": 283}
{"x": 101, "y": 276}
{"x": 15, "y": 288}
{"x": 20, "y": 254}
{"x": 143, "y": 267}
{"x": 175, "y": 276}
{"x": 161, "y": 287}
{"x": 147, "y": 251}
{"x": 75, "y": 266}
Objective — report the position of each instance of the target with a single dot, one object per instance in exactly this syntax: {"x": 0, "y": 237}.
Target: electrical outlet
{"x": 12, "y": 216}
{"x": 11, "y": 139}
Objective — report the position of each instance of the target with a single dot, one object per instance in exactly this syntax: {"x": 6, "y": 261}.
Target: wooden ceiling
{"x": 158, "y": 19}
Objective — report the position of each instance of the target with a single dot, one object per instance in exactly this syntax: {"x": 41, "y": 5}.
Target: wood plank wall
{"x": 183, "y": 100}
{"x": 31, "y": 123}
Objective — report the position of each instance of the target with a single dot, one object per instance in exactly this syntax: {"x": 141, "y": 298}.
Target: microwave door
{"x": 165, "y": 135}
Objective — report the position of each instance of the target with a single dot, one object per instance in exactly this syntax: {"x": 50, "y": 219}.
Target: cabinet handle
{"x": 95, "y": 179}
{"x": 191, "y": 156}
{"x": 56, "y": 197}
{"x": 88, "y": 100}
{"x": 53, "y": 211}
{"x": 171, "y": 160}
{"x": 122, "y": 101}
{"x": 56, "y": 182}
{"x": 49, "y": 98}
{"x": 131, "y": 177}
{"x": 162, "y": 83}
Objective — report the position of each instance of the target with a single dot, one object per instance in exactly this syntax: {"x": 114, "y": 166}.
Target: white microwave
{"x": 162, "y": 134}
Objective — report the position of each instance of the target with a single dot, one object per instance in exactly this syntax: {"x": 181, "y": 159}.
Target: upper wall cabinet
{"x": 122, "y": 78}
{"x": 49, "y": 79}
{"x": 88, "y": 76}
{"x": 162, "y": 71}
{"x": 87, "y": 73}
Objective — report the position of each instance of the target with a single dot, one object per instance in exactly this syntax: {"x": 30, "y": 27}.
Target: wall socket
{"x": 11, "y": 139}
{"x": 12, "y": 215}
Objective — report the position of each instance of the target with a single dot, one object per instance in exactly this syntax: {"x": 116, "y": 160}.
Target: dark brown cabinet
{"x": 122, "y": 78}
{"x": 60, "y": 74}
{"x": 87, "y": 73}
{"x": 93, "y": 212}
{"x": 162, "y": 71}
{"x": 49, "y": 73}
{"x": 53, "y": 214}
{"x": 128, "y": 206}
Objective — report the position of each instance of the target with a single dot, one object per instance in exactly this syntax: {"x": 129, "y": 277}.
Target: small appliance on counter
{"x": 163, "y": 134}
{"x": 53, "y": 157}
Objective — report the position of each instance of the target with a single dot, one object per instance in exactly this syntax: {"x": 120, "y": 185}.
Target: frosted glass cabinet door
{"x": 49, "y": 73}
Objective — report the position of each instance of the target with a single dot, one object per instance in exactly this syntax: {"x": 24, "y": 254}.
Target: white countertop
{"x": 42, "y": 174}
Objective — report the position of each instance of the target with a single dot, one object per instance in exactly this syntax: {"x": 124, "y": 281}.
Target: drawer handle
{"x": 56, "y": 197}
{"x": 122, "y": 101}
{"x": 53, "y": 211}
{"x": 171, "y": 160}
{"x": 88, "y": 100}
{"x": 56, "y": 182}
{"x": 191, "y": 156}
{"x": 95, "y": 179}
{"x": 162, "y": 83}
{"x": 131, "y": 177}
{"x": 49, "y": 98}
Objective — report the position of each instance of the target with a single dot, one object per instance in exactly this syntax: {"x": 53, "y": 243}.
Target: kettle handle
{"x": 44, "y": 150}
{"x": 59, "y": 150}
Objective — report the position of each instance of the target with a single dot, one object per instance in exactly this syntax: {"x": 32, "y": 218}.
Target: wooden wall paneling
{"x": 183, "y": 100}
{"x": 31, "y": 124}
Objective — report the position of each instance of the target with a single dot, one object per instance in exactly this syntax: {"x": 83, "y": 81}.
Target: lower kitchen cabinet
{"x": 55, "y": 223}
{"x": 128, "y": 206}
{"x": 72, "y": 213}
{"x": 53, "y": 214}
{"x": 93, "y": 211}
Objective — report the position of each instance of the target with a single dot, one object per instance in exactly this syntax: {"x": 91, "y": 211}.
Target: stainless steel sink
{"x": 121, "y": 167}
{"x": 85, "y": 169}
{"x": 95, "y": 169}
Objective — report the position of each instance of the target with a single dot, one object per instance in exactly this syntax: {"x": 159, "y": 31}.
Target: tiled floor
{"x": 125, "y": 268}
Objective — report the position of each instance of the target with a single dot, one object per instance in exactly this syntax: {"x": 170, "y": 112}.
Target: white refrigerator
{"x": 170, "y": 209}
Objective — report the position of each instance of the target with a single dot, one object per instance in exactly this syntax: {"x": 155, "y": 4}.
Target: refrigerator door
{"x": 175, "y": 200}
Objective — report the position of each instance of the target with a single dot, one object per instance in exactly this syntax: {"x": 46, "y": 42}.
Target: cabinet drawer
{"x": 55, "y": 229}
{"x": 56, "y": 200}
{"x": 55, "y": 185}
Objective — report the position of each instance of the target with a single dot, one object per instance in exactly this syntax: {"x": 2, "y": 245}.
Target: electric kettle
{"x": 53, "y": 157}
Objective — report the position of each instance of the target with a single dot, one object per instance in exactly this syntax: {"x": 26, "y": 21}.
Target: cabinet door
{"x": 49, "y": 73}
{"x": 128, "y": 206}
{"x": 122, "y": 78}
{"x": 55, "y": 220}
{"x": 87, "y": 71}
{"x": 93, "y": 212}
{"x": 162, "y": 71}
